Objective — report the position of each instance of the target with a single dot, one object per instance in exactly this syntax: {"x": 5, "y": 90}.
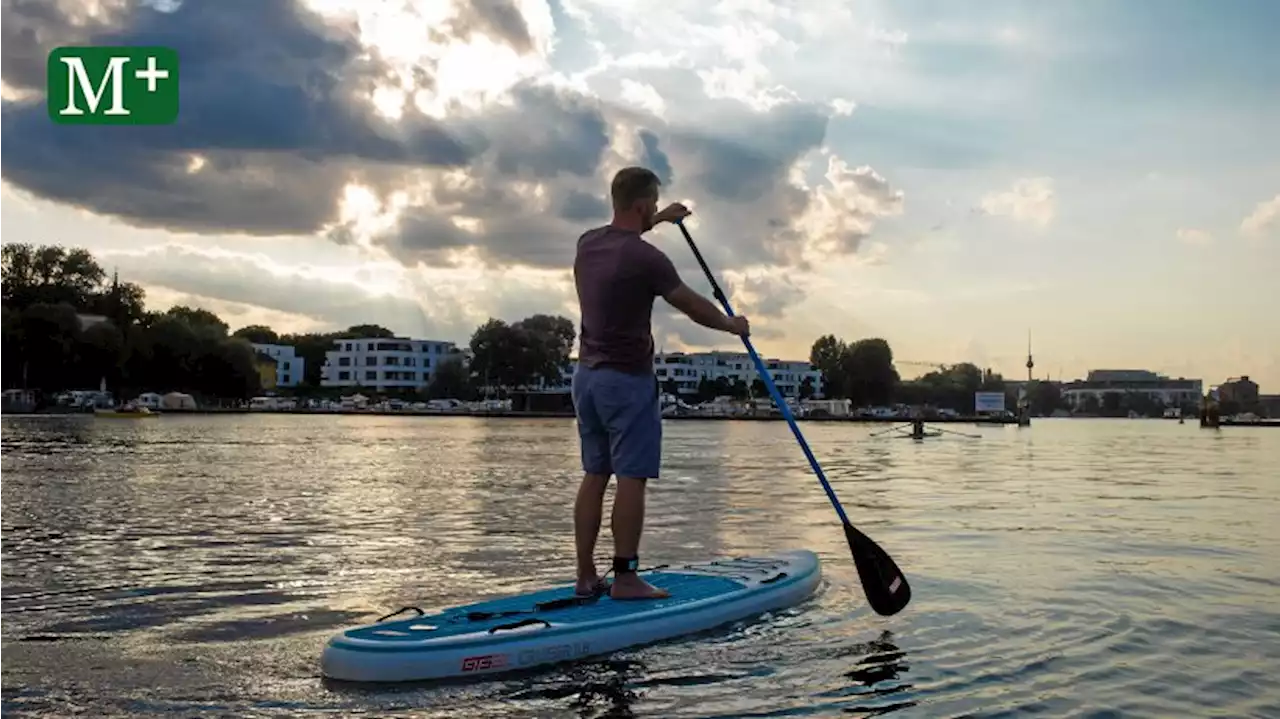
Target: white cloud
{"x": 1030, "y": 200}
{"x": 755, "y": 52}
{"x": 644, "y": 96}
{"x": 1195, "y": 237}
{"x": 420, "y": 302}
{"x": 845, "y": 209}
{"x": 235, "y": 314}
{"x": 1265, "y": 218}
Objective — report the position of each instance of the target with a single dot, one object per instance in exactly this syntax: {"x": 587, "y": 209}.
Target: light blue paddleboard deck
{"x": 551, "y": 625}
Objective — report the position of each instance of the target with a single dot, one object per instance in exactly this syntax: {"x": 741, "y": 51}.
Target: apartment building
{"x": 687, "y": 369}
{"x": 1240, "y": 390}
{"x": 288, "y": 365}
{"x": 382, "y": 363}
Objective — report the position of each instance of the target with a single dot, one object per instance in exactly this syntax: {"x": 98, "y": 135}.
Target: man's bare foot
{"x": 590, "y": 586}
{"x": 630, "y": 586}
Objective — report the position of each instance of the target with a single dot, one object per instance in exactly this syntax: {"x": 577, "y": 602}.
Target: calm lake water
{"x": 194, "y": 566}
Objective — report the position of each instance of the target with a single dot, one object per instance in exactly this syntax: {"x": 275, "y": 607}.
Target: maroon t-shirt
{"x": 618, "y": 275}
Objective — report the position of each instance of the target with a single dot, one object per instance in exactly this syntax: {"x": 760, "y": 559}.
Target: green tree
{"x": 50, "y": 339}
{"x": 709, "y": 389}
{"x": 14, "y": 356}
{"x": 200, "y": 320}
{"x": 50, "y": 346}
{"x": 525, "y": 354}
{"x": 374, "y": 331}
{"x": 862, "y": 371}
{"x": 827, "y": 354}
{"x": 312, "y": 348}
{"x": 868, "y": 372}
{"x": 548, "y": 343}
{"x": 992, "y": 381}
{"x": 488, "y": 342}
{"x": 671, "y": 387}
{"x": 806, "y": 388}
{"x": 257, "y": 334}
{"x": 228, "y": 369}
{"x": 124, "y": 303}
{"x": 100, "y": 355}
{"x": 451, "y": 380}
{"x": 49, "y": 274}
{"x": 175, "y": 351}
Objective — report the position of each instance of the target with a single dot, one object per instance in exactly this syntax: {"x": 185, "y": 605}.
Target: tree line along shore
{"x": 50, "y": 348}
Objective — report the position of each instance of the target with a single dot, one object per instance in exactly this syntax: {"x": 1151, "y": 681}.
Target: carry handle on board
{"x": 522, "y": 623}
{"x": 884, "y": 584}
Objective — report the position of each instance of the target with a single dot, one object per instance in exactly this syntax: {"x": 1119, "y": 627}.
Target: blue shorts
{"x": 619, "y": 422}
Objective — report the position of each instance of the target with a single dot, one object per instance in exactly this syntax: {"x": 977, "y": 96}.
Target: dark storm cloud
{"x": 746, "y": 161}
{"x": 529, "y": 142}
{"x": 580, "y": 206}
{"x": 430, "y": 235}
{"x": 546, "y": 132}
{"x": 654, "y": 158}
{"x": 269, "y": 99}
{"x": 274, "y": 107}
{"x": 30, "y": 28}
{"x": 517, "y": 233}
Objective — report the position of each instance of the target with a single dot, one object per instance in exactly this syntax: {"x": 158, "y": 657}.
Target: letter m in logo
{"x": 113, "y": 85}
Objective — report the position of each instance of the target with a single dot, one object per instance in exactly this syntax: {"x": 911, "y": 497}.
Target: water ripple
{"x": 195, "y": 565}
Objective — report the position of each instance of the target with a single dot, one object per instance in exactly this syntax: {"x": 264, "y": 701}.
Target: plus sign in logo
{"x": 113, "y": 85}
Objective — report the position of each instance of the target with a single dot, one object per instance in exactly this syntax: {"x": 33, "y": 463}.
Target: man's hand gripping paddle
{"x": 886, "y": 588}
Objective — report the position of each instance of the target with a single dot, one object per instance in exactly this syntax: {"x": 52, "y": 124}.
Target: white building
{"x": 289, "y": 366}
{"x": 383, "y": 363}
{"x": 1102, "y": 382}
{"x": 690, "y": 368}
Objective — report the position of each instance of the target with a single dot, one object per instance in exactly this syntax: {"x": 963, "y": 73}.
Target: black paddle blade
{"x": 886, "y": 588}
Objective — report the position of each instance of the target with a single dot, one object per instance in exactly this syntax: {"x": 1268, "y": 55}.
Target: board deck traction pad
{"x": 556, "y": 614}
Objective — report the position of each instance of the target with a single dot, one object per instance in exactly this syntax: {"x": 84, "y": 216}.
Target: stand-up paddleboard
{"x": 552, "y": 625}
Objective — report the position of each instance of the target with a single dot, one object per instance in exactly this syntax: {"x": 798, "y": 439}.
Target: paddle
{"x": 894, "y": 428}
{"x": 886, "y": 588}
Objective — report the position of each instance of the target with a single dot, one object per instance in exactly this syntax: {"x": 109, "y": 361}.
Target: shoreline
{"x": 500, "y": 414}
{"x": 513, "y": 414}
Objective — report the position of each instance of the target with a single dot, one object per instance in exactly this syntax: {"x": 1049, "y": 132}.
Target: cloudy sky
{"x": 948, "y": 176}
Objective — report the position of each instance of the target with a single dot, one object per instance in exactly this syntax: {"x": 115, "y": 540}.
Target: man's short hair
{"x": 632, "y": 184}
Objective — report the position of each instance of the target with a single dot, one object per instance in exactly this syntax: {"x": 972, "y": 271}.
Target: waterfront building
{"x": 383, "y": 363}
{"x": 267, "y": 371}
{"x": 1159, "y": 388}
{"x": 688, "y": 369}
{"x": 288, "y": 365}
{"x": 1269, "y": 405}
{"x": 1239, "y": 390}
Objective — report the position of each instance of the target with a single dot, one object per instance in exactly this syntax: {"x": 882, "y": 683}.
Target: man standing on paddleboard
{"x": 615, "y": 393}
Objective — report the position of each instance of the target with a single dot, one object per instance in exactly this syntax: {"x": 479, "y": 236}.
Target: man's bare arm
{"x": 699, "y": 308}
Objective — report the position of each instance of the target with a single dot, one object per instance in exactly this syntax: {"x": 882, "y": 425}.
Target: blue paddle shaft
{"x": 767, "y": 379}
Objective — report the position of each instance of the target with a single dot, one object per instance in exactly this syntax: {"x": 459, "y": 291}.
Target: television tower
{"x": 1024, "y": 410}
{"x": 1030, "y": 363}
